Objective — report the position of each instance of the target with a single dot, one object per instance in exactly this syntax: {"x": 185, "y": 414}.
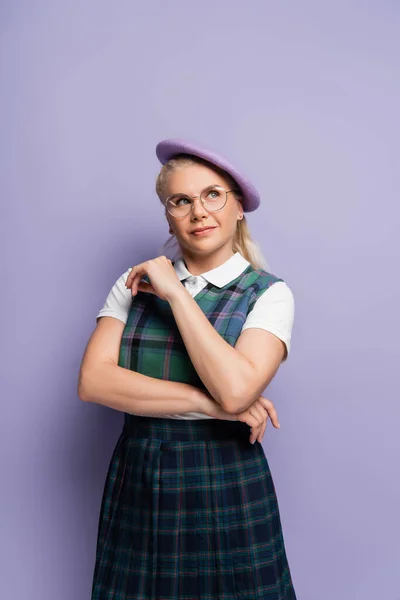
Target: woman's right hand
{"x": 256, "y": 415}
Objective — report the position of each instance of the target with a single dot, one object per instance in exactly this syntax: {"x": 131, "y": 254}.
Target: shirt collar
{"x": 221, "y": 275}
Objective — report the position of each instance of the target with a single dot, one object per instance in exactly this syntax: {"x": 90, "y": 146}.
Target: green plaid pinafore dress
{"x": 189, "y": 510}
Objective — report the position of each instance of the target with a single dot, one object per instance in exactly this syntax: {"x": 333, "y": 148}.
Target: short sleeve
{"x": 118, "y": 301}
{"x": 274, "y": 311}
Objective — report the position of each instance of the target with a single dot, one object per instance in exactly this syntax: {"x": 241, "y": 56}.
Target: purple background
{"x": 305, "y": 98}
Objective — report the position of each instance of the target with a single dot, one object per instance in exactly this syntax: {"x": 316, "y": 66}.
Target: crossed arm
{"x": 234, "y": 377}
{"x": 103, "y": 381}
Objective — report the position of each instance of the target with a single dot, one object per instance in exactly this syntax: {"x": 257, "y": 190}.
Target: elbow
{"x": 91, "y": 381}
{"x": 83, "y": 391}
{"x": 235, "y": 407}
{"x": 231, "y": 408}
{"x": 237, "y": 401}
{"x": 82, "y": 394}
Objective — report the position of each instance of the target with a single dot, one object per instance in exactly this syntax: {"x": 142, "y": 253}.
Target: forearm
{"x": 222, "y": 369}
{"x": 128, "y": 391}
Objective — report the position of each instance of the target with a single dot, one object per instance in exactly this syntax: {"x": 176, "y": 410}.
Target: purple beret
{"x": 167, "y": 149}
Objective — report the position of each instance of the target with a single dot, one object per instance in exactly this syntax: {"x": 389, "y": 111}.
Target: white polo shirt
{"x": 272, "y": 311}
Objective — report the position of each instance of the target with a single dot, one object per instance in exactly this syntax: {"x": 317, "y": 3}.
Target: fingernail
{"x": 252, "y": 442}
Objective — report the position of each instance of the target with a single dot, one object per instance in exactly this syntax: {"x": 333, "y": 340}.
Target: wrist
{"x": 177, "y": 295}
{"x": 199, "y": 400}
{"x": 206, "y": 404}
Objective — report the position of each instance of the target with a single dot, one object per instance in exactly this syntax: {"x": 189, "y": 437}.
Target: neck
{"x": 197, "y": 264}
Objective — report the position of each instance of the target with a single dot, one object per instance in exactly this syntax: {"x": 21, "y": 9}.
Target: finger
{"x": 257, "y": 413}
{"x": 135, "y": 283}
{"x": 262, "y": 431}
{"x": 130, "y": 277}
{"x": 271, "y": 411}
{"x": 266, "y": 402}
{"x": 261, "y": 414}
{"x": 140, "y": 268}
{"x": 254, "y": 433}
{"x": 259, "y": 432}
{"x": 262, "y": 411}
{"x": 247, "y": 418}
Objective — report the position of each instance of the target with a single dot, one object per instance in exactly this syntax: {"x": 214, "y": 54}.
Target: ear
{"x": 170, "y": 230}
{"x": 240, "y": 210}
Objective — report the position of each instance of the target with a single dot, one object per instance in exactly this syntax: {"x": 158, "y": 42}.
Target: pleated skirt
{"x": 189, "y": 512}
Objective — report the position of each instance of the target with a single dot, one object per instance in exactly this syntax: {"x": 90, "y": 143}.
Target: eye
{"x": 183, "y": 200}
{"x": 180, "y": 200}
{"x": 212, "y": 194}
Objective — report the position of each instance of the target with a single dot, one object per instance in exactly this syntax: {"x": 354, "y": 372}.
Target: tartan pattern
{"x": 189, "y": 510}
{"x": 152, "y": 344}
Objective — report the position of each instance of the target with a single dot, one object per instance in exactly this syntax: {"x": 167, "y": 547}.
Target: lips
{"x": 201, "y": 229}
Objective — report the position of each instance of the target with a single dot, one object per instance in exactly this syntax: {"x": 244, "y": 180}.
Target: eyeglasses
{"x": 213, "y": 198}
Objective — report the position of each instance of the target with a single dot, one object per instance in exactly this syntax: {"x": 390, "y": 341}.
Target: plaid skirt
{"x": 189, "y": 512}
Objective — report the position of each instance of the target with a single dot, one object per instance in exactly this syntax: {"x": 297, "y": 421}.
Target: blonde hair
{"x": 242, "y": 241}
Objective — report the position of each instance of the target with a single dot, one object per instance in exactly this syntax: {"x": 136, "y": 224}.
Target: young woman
{"x": 184, "y": 348}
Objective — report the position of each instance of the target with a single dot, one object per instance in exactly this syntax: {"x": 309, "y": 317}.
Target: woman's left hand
{"x": 164, "y": 280}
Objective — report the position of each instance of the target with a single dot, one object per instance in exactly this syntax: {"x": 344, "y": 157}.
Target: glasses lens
{"x": 179, "y": 205}
{"x": 213, "y": 198}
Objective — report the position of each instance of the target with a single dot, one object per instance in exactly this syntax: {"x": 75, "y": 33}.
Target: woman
{"x": 184, "y": 349}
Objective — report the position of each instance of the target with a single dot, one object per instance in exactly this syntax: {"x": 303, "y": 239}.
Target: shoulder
{"x": 118, "y": 300}
{"x": 253, "y": 282}
{"x": 259, "y": 281}
{"x": 277, "y": 294}
{"x": 119, "y": 285}
{"x": 278, "y": 290}
{"x": 274, "y": 310}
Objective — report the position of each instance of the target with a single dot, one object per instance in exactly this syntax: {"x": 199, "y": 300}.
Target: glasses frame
{"x": 211, "y": 187}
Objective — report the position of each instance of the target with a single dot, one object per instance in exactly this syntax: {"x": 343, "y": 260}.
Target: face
{"x": 191, "y": 180}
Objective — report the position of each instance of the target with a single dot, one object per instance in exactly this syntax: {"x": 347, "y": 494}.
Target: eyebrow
{"x": 204, "y": 188}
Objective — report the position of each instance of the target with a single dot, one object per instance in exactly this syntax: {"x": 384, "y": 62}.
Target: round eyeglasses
{"x": 213, "y": 198}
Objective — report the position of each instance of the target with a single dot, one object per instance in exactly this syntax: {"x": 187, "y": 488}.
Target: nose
{"x": 198, "y": 210}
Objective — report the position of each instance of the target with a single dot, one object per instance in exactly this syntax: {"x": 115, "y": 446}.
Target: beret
{"x": 170, "y": 148}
